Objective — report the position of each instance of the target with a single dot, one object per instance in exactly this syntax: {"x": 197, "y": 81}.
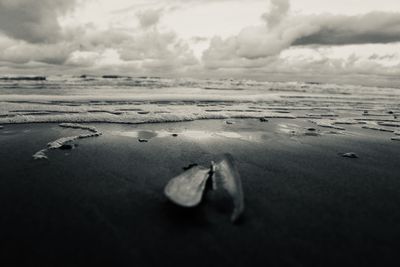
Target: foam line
{"x": 42, "y": 154}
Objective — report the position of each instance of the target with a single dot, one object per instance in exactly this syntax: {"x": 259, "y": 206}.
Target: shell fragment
{"x": 187, "y": 189}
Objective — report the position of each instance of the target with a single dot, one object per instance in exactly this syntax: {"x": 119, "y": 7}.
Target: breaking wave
{"x": 119, "y": 99}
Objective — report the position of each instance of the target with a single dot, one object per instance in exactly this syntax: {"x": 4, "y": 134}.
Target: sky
{"x": 319, "y": 40}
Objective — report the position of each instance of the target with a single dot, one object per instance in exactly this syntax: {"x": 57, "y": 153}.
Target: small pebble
{"x": 311, "y": 129}
{"x": 263, "y": 120}
{"x": 175, "y": 135}
{"x": 66, "y": 147}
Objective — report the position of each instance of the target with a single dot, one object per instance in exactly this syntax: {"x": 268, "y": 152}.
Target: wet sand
{"x": 103, "y": 203}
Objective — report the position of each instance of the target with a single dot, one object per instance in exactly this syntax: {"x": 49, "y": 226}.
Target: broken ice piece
{"x": 351, "y": 155}
{"x": 187, "y": 188}
{"x": 226, "y": 175}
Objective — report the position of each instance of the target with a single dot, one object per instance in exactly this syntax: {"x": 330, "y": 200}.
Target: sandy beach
{"x": 102, "y": 202}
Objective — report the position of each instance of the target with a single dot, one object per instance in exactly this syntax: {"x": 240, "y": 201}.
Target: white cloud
{"x": 278, "y": 10}
{"x": 21, "y": 52}
{"x": 83, "y": 58}
{"x": 149, "y": 17}
{"x": 201, "y": 38}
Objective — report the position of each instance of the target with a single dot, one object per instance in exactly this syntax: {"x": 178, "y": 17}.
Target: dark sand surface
{"x": 103, "y": 204}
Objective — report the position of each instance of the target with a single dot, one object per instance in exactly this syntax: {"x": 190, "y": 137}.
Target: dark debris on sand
{"x": 190, "y": 166}
{"x": 350, "y": 155}
{"x": 67, "y": 147}
{"x": 112, "y": 77}
{"x": 33, "y": 78}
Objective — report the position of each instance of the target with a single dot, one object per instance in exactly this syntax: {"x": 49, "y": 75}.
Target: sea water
{"x": 94, "y": 99}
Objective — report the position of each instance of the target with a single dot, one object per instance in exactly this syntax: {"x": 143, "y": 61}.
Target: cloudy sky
{"x": 356, "y": 40}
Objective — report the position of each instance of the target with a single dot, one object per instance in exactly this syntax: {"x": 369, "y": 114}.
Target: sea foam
{"x": 129, "y": 100}
{"x": 42, "y": 154}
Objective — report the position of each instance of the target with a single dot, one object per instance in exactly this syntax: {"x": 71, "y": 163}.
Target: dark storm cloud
{"x": 34, "y": 21}
{"x": 283, "y": 31}
{"x": 376, "y": 27}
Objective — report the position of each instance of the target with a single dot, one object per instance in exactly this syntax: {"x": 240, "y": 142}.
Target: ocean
{"x": 129, "y": 100}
